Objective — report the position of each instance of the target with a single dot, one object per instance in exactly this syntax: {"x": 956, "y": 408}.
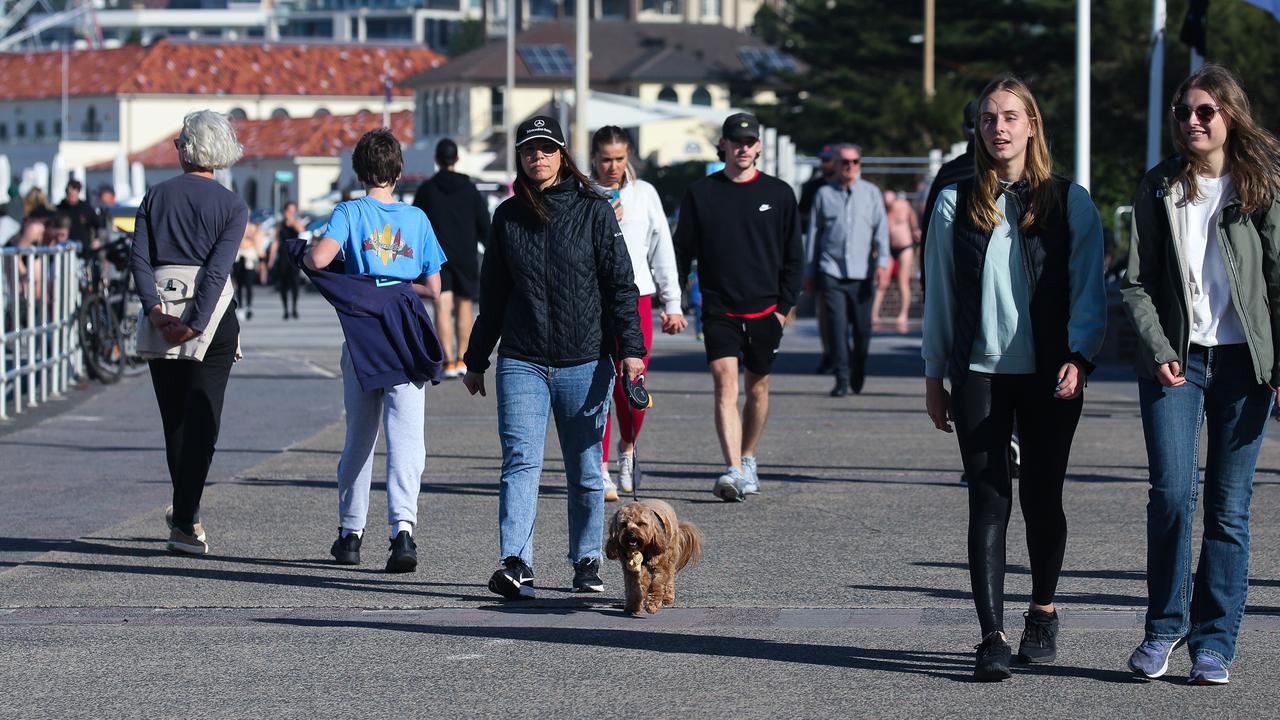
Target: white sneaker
{"x": 610, "y": 490}
{"x": 626, "y": 468}
{"x": 750, "y": 476}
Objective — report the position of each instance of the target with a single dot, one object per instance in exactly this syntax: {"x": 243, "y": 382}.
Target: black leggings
{"x": 287, "y": 283}
{"x": 244, "y": 278}
{"x": 985, "y": 408}
{"x": 190, "y": 397}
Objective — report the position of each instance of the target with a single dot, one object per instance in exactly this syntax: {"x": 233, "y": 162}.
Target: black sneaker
{"x": 841, "y": 389}
{"x": 404, "y": 554}
{"x": 992, "y": 663}
{"x": 514, "y": 580}
{"x": 586, "y": 576}
{"x": 1039, "y": 637}
{"x": 346, "y": 550}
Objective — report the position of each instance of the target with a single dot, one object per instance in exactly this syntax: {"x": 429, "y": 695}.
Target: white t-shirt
{"x": 1214, "y": 320}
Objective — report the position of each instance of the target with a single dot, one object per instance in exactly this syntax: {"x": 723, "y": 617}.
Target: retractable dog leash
{"x": 640, "y": 399}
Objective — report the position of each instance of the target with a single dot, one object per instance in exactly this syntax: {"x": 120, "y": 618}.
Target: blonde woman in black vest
{"x": 1014, "y": 316}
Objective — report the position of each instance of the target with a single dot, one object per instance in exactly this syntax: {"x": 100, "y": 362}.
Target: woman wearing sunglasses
{"x": 1014, "y": 315}
{"x": 556, "y": 286}
{"x": 1203, "y": 290}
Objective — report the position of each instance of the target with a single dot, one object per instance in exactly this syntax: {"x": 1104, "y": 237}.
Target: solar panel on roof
{"x": 546, "y": 60}
{"x": 762, "y": 61}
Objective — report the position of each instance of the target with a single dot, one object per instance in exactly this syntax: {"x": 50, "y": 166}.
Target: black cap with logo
{"x": 741, "y": 126}
{"x": 539, "y": 127}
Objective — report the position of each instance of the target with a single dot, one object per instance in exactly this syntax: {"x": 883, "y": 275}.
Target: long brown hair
{"x": 1253, "y": 154}
{"x": 609, "y": 135}
{"x": 982, "y": 210}
{"x": 531, "y": 197}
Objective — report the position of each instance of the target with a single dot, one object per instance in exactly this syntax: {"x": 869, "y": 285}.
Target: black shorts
{"x": 755, "y": 342}
{"x": 458, "y": 281}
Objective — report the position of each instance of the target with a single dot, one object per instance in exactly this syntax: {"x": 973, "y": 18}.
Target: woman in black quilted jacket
{"x": 556, "y": 286}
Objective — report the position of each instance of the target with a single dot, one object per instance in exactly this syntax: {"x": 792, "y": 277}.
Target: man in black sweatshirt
{"x": 460, "y": 218}
{"x": 743, "y": 228}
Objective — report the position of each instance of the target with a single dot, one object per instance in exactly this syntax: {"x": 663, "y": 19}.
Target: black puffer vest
{"x": 1046, "y": 255}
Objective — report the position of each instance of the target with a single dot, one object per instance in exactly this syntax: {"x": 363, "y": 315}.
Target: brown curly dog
{"x": 653, "y": 546}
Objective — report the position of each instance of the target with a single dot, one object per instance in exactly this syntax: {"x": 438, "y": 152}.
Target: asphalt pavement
{"x": 841, "y": 590}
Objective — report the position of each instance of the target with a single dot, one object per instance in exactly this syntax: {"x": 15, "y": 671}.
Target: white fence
{"x": 40, "y": 345}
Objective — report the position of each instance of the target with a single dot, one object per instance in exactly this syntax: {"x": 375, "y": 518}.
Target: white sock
{"x": 404, "y": 525}
{"x": 358, "y": 533}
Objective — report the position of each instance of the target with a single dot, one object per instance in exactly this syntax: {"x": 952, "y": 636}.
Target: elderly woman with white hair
{"x": 187, "y": 233}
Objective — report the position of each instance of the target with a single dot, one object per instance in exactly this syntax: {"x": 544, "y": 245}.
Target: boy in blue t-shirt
{"x": 393, "y": 242}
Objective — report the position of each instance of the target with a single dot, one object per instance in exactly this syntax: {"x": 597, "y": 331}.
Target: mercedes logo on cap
{"x": 539, "y": 123}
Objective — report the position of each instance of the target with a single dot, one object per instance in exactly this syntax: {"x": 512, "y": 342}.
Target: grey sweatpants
{"x": 401, "y": 410}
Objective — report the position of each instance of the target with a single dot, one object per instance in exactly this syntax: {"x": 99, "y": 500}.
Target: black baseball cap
{"x": 827, "y": 152}
{"x": 741, "y": 126}
{"x": 539, "y": 127}
{"x": 970, "y": 123}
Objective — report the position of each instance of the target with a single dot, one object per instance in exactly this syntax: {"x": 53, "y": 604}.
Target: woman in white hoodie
{"x": 653, "y": 260}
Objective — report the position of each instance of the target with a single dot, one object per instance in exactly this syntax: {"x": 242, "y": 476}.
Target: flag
{"x": 1195, "y": 26}
{"x": 1271, "y": 6}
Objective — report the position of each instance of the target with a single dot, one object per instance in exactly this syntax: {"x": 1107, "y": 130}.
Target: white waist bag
{"x": 176, "y": 285}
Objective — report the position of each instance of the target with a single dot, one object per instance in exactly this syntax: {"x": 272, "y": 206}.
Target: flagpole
{"x": 1084, "y": 29}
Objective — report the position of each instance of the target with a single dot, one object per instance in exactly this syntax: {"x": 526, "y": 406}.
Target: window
{"x": 39, "y": 129}
{"x": 251, "y": 192}
{"x": 711, "y": 8}
{"x": 322, "y": 112}
{"x": 701, "y": 96}
{"x": 57, "y": 129}
{"x": 4, "y": 132}
{"x": 92, "y": 126}
{"x": 662, "y": 7}
{"x": 21, "y": 130}
{"x": 279, "y": 113}
{"x": 668, "y": 94}
{"x": 238, "y": 114}
{"x": 496, "y": 118}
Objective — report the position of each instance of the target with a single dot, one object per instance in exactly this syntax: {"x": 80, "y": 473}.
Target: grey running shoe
{"x": 1207, "y": 669}
{"x": 1151, "y": 658}
{"x": 728, "y": 486}
{"x": 750, "y": 476}
{"x": 610, "y": 490}
{"x": 626, "y": 469}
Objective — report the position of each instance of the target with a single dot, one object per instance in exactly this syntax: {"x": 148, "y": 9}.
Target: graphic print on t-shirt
{"x": 385, "y": 247}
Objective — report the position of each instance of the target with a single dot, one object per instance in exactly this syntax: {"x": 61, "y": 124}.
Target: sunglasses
{"x": 545, "y": 148}
{"x": 847, "y": 161}
{"x": 1182, "y": 112}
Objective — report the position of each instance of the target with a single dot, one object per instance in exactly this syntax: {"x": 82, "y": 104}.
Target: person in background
{"x": 653, "y": 262}
{"x": 460, "y": 217}
{"x": 36, "y": 204}
{"x": 84, "y": 219}
{"x": 904, "y": 236}
{"x": 279, "y": 261}
{"x": 953, "y": 171}
{"x": 825, "y": 174}
{"x": 106, "y": 221}
{"x": 9, "y": 228}
{"x": 248, "y": 257}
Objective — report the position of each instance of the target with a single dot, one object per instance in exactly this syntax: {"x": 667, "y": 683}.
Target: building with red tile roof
{"x": 310, "y": 151}
{"x": 126, "y": 99}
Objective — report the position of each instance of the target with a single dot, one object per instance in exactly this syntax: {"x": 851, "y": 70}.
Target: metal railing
{"x": 39, "y": 338}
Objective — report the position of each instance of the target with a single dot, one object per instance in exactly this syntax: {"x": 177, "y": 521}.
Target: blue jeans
{"x": 578, "y": 398}
{"x": 1221, "y": 392}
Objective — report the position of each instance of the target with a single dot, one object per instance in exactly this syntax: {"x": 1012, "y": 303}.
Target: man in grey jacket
{"x": 846, "y": 256}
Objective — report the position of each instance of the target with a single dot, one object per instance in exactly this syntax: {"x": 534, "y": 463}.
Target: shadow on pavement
{"x": 948, "y": 666}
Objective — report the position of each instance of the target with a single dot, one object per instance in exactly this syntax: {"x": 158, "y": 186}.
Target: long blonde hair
{"x": 1043, "y": 197}
{"x": 1253, "y": 154}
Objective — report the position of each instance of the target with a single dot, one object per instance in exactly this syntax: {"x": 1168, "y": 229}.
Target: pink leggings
{"x": 630, "y": 419}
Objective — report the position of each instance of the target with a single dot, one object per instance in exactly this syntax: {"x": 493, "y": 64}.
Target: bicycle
{"x": 108, "y": 316}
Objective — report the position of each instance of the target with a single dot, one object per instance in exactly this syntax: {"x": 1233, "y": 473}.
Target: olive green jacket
{"x": 1155, "y": 287}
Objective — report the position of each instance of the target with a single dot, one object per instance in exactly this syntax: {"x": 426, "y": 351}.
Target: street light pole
{"x": 1155, "y": 95}
{"x": 1084, "y": 31}
{"x": 508, "y": 93}
{"x": 581, "y": 91}
{"x": 929, "y": 90}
